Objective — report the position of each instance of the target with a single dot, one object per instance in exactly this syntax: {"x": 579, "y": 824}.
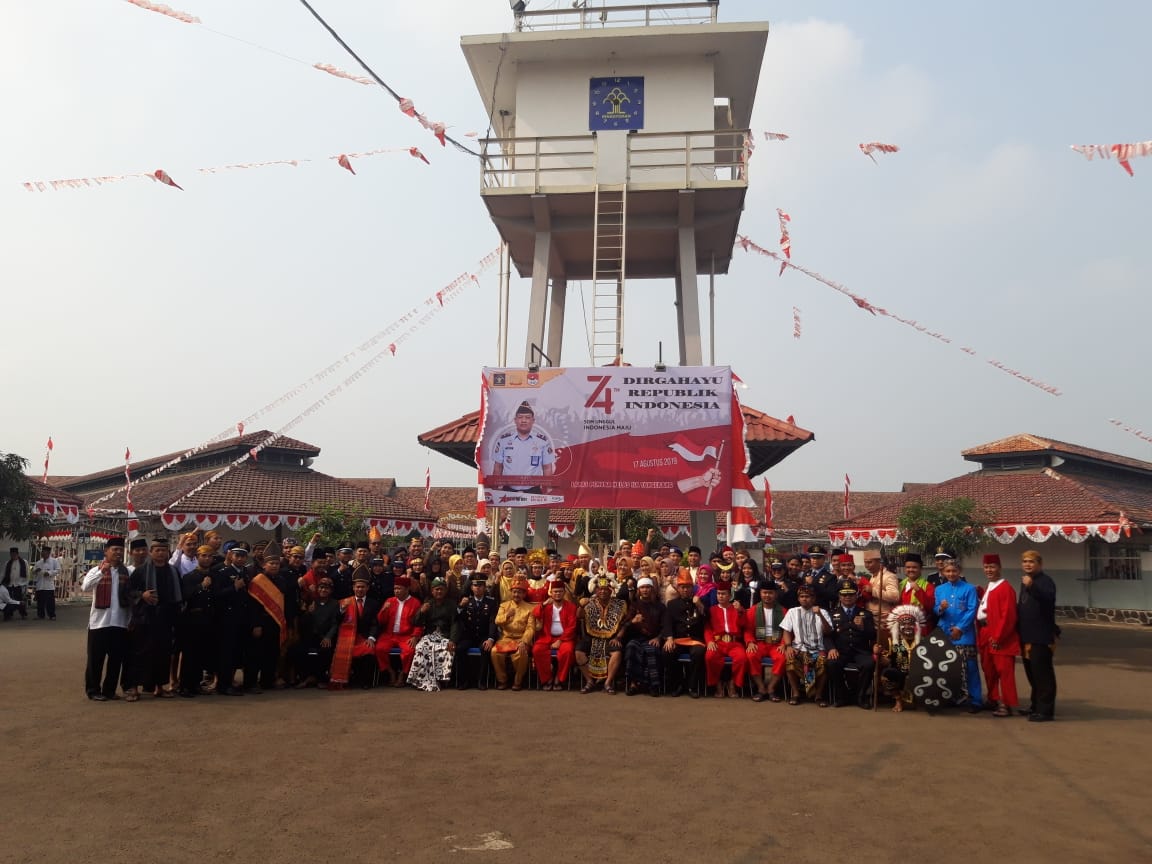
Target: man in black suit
{"x": 853, "y": 635}
{"x": 475, "y": 627}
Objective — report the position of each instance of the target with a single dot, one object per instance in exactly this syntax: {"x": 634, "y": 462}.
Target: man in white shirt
{"x": 806, "y": 629}
{"x": 107, "y": 622}
{"x": 44, "y": 573}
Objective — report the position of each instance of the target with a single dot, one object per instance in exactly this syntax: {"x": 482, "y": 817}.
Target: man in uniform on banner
{"x": 524, "y": 452}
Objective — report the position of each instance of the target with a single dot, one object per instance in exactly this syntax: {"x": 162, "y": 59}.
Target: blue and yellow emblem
{"x": 616, "y": 103}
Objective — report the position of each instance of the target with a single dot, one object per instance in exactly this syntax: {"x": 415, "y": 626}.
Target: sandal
{"x": 1002, "y": 711}
{"x": 757, "y": 697}
{"x": 823, "y": 703}
{"x": 132, "y": 697}
{"x": 772, "y": 697}
{"x": 793, "y": 701}
{"x": 719, "y": 694}
{"x": 587, "y": 688}
{"x": 516, "y": 688}
{"x": 609, "y": 689}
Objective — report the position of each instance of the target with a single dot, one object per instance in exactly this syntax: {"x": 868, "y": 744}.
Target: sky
{"x": 140, "y": 316}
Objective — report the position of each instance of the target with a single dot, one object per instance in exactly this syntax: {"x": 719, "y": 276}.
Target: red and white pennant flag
{"x": 847, "y": 497}
{"x": 47, "y": 453}
{"x": 427, "y": 490}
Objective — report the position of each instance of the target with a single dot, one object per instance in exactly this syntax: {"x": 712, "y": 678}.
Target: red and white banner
{"x": 1109, "y": 532}
{"x": 608, "y": 437}
{"x": 54, "y": 511}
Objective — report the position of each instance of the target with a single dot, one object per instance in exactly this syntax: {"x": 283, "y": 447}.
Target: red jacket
{"x": 1001, "y": 626}
{"x": 715, "y": 625}
{"x": 750, "y": 621}
{"x": 569, "y": 619}
{"x": 407, "y": 617}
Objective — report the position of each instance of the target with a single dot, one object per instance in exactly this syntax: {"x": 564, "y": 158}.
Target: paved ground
{"x": 557, "y": 777}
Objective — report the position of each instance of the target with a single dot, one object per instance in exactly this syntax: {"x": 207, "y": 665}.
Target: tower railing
{"x": 590, "y": 16}
{"x": 683, "y": 159}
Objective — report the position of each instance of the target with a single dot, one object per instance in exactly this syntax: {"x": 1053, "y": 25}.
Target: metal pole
{"x": 502, "y": 323}
{"x": 712, "y": 312}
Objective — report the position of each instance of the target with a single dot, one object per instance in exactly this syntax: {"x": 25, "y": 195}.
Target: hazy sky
{"x": 137, "y": 315}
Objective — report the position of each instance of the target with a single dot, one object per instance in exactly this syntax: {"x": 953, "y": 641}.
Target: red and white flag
{"x": 481, "y": 506}
{"x": 47, "y": 453}
{"x": 128, "y": 480}
{"x": 769, "y": 508}
{"x": 685, "y": 452}
{"x": 427, "y": 490}
{"x": 741, "y": 522}
{"x": 847, "y": 497}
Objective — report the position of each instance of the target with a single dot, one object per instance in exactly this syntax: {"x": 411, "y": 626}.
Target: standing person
{"x": 268, "y": 622}
{"x": 16, "y": 578}
{"x": 137, "y": 554}
{"x": 883, "y": 589}
{"x": 806, "y": 630}
{"x": 956, "y": 605}
{"x": 158, "y": 593}
{"x": 1036, "y": 620}
{"x": 107, "y": 621}
{"x": 44, "y": 573}
{"x": 194, "y": 626}
{"x": 997, "y": 638}
{"x": 230, "y": 611}
{"x": 186, "y": 558}
{"x": 917, "y": 590}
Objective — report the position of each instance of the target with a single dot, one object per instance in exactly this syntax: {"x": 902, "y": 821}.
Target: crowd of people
{"x": 22, "y": 582}
{"x": 218, "y": 617}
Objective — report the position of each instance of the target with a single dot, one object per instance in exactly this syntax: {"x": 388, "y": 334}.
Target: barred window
{"x": 1114, "y": 561}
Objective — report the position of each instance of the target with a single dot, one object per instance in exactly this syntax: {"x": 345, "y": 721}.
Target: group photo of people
{"x": 217, "y": 617}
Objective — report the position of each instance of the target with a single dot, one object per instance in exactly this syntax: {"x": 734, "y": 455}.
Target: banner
{"x": 607, "y": 437}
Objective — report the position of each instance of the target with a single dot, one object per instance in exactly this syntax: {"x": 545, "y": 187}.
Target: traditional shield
{"x": 934, "y": 677}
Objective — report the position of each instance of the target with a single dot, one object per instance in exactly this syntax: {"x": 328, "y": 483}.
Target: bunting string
{"x": 166, "y": 10}
{"x": 405, "y": 325}
{"x": 877, "y": 147}
{"x": 795, "y": 322}
{"x": 1122, "y": 152}
{"x": 749, "y": 246}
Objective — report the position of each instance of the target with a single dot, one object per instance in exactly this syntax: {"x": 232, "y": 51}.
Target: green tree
{"x": 16, "y": 500}
{"x": 956, "y": 524}
{"x": 634, "y": 525}
{"x": 337, "y": 524}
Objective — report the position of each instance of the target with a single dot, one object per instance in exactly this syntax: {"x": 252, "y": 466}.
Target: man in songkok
{"x": 881, "y": 592}
{"x": 1036, "y": 617}
{"x": 269, "y": 603}
{"x": 319, "y": 631}
{"x": 917, "y": 590}
{"x": 853, "y": 637}
{"x": 516, "y": 628}
{"x": 997, "y": 639}
{"x": 356, "y": 655}
{"x": 557, "y": 624}
{"x": 723, "y": 636}
{"x": 684, "y": 620}
{"x": 399, "y": 627}
{"x": 763, "y": 641}
{"x": 956, "y": 605}
{"x": 643, "y": 657}
{"x": 807, "y": 629}
{"x": 194, "y": 626}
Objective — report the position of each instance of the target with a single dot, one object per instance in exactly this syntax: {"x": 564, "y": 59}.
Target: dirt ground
{"x": 556, "y": 777}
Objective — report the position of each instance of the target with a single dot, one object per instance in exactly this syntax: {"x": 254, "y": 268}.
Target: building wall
{"x": 552, "y": 99}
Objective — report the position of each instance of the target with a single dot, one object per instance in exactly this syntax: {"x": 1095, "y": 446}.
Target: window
{"x": 1114, "y": 561}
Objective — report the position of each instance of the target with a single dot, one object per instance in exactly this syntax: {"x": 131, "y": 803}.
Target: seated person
{"x": 312, "y": 653}
{"x": 853, "y": 635}
{"x": 516, "y": 628}
{"x": 683, "y": 630}
{"x": 398, "y": 627}
{"x": 432, "y": 659}
{"x": 643, "y": 659}
{"x": 599, "y": 654}
{"x": 723, "y": 638}
{"x": 355, "y": 654}
{"x": 475, "y": 627}
{"x": 905, "y": 625}
{"x": 806, "y": 629}
{"x": 556, "y": 622}
{"x": 763, "y": 640}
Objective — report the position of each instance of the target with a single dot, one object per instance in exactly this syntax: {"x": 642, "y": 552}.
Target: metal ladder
{"x": 608, "y": 273}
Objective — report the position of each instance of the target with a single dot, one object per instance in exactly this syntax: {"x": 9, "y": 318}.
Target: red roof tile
{"x": 1044, "y": 497}
{"x": 1025, "y": 443}
{"x": 47, "y": 493}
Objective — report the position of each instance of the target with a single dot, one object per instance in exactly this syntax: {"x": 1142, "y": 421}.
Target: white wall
{"x": 552, "y": 99}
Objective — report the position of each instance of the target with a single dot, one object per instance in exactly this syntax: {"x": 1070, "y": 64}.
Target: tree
{"x": 634, "y": 525}
{"x": 17, "y": 499}
{"x": 956, "y": 524}
{"x": 337, "y": 524}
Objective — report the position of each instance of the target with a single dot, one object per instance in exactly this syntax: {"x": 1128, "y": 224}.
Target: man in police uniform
{"x": 524, "y": 452}
{"x": 823, "y": 578}
{"x": 853, "y": 635}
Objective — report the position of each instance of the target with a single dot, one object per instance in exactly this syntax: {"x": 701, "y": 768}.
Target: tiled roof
{"x": 253, "y": 488}
{"x": 1026, "y": 443}
{"x": 241, "y": 443}
{"x": 769, "y": 440}
{"x": 798, "y": 511}
{"x": 1044, "y": 497}
{"x": 46, "y": 492}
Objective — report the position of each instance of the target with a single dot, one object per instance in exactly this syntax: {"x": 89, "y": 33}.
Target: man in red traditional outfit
{"x": 557, "y": 621}
{"x": 997, "y": 639}
{"x": 763, "y": 640}
{"x": 723, "y": 636}
{"x": 398, "y": 628}
{"x": 356, "y": 637}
